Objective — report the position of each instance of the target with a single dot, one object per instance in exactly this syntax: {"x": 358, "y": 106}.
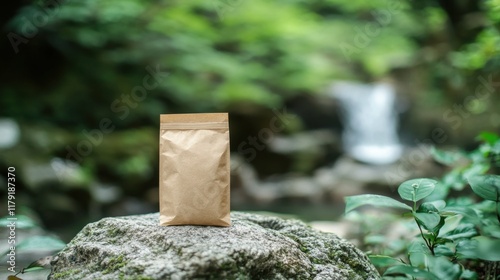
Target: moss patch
{"x": 115, "y": 264}
{"x": 301, "y": 247}
{"x": 65, "y": 274}
{"x": 114, "y": 232}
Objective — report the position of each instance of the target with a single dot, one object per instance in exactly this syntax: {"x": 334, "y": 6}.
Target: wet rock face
{"x": 254, "y": 247}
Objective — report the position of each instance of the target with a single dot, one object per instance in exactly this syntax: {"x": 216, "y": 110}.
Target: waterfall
{"x": 370, "y": 121}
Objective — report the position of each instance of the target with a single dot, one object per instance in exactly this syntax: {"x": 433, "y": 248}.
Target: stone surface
{"x": 254, "y": 247}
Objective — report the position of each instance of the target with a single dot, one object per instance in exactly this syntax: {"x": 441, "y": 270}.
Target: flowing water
{"x": 370, "y": 121}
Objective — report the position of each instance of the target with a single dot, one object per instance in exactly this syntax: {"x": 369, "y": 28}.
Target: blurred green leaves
{"x": 21, "y": 221}
{"x": 41, "y": 243}
{"x": 220, "y": 52}
{"x": 486, "y": 186}
{"x": 484, "y": 49}
{"x": 355, "y": 201}
{"x": 257, "y": 51}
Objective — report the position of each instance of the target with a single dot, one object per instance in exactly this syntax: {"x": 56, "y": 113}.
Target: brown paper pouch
{"x": 194, "y": 169}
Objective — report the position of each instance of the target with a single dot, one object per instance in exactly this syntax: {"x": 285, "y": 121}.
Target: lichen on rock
{"x": 254, "y": 247}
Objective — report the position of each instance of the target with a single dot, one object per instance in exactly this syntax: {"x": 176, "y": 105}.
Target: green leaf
{"x": 427, "y": 207}
{"x": 411, "y": 271}
{"x": 476, "y": 169}
{"x": 416, "y": 189}
{"x": 467, "y": 249}
{"x": 444, "y": 269}
{"x": 486, "y": 186}
{"x": 445, "y": 157}
{"x": 492, "y": 230}
{"x": 41, "y": 263}
{"x": 418, "y": 246}
{"x": 488, "y": 248}
{"x": 41, "y": 243}
{"x": 383, "y": 261}
{"x": 418, "y": 253}
{"x": 21, "y": 221}
{"x": 488, "y": 137}
{"x": 450, "y": 223}
{"x": 439, "y": 204}
{"x": 468, "y": 275}
{"x": 466, "y": 211}
{"x": 461, "y": 231}
{"x": 428, "y": 220}
{"x": 443, "y": 250}
{"x": 419, "y": 259}
{"x": 32, "y": 268}
{"x": 484, "y": 207}
{"x": 353, "y": 202}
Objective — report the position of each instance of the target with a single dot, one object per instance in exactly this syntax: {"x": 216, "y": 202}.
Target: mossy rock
{"x": 253, "y": 247}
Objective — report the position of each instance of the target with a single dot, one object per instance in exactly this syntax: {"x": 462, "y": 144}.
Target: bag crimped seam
{"x": 189, "y": 126}
{"x": 194, "y": 118}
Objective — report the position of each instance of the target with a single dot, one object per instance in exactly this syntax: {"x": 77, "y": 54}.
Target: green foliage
{"x": 483, "y": 50}
{"x": 41, "y": 243}
{"x": 454, "y": 233}
{"x": 353, "y": 202}
{"x": 467, "y": 165}
{"x": 22, "y": 222}
{"x": 34, "y": 244}
{"x": 411, "y": 271}
{"x": 218, "y": 53}
{"x": 486, "y": 186}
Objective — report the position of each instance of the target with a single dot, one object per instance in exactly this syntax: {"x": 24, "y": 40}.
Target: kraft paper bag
{"x": 194, "y": 169}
